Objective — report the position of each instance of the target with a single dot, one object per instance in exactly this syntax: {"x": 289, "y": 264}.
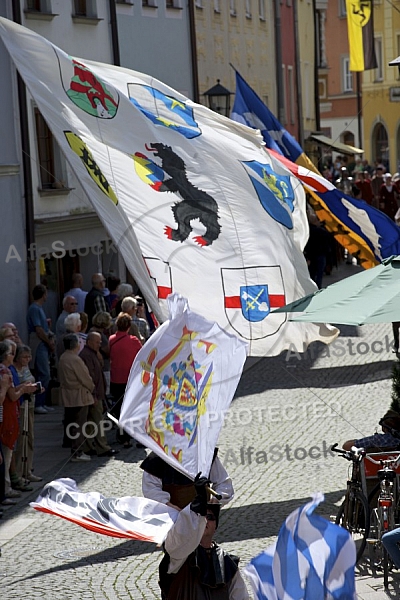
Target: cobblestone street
{"x": 287, "y": 412}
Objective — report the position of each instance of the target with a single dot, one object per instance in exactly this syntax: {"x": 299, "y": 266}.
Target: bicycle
{"x": 354, "y": 513}
{"x": 383, "y": 516}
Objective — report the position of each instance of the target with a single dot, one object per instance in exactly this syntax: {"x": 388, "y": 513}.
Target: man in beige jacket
{"x": 76, "y": 394}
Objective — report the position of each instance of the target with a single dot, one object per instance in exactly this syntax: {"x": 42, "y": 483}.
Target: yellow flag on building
{"x": 360, "y": 27}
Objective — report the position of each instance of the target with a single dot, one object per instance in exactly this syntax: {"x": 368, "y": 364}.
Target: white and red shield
{"x": 160, "y": 273}
{"x": 250, "y": 294}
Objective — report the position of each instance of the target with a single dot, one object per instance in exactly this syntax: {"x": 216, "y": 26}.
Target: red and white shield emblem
{"x": 250, "y": 294}
{"x": 160, "y": 273}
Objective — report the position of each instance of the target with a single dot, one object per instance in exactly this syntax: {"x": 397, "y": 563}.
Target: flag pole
{"x": 359, "y": 108}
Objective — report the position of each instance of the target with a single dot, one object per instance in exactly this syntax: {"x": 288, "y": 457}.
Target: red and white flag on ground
{"x": 129, "y": 517}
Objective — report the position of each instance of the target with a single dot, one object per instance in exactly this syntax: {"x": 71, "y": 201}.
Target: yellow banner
{"x": 358, "y": 15}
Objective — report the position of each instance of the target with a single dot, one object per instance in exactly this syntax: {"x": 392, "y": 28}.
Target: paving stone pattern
{"x": 275, "y": 442}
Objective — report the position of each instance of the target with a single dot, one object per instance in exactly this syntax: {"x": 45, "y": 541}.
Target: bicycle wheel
{"x": 373, "y": 496}
{"x": 354, "y": 516}
{"x": 381, "y": 522}
{"x": 387, "y": 524}
{"x": 385, "y": 568}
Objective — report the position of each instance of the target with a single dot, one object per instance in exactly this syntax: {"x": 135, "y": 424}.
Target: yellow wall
{"x": 377, "y": 107}
{"x": 306, "y": 47}
{"x": 247, "y": 43}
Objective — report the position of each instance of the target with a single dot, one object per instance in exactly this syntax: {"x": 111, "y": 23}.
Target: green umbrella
{"x": 372, "y": 296}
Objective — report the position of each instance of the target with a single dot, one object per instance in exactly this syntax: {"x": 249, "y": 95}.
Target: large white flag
{"x": 191, "y": 199}
{"x": 180, "y": 387}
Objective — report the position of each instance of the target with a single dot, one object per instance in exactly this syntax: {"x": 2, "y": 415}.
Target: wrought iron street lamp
{"x": 219, "y": 99}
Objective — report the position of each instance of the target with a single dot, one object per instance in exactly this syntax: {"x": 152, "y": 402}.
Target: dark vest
{"x": 206, "y": 574}
{"x": 179, "y": 487}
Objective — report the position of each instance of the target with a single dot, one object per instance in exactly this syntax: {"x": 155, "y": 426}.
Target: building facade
{"x": 154, "y": 38}
{"x": 337, "y": 84}
{"x": 305, "y": 57}
{"x": 237, "y": 33}
{"x": 381, "y": 91}
{"x": 55, "y": 230}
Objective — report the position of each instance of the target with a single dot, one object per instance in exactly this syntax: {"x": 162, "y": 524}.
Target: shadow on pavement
{"x": 264, "y": 520}
{"x": 276, "y": 373}
{"x": 108, "y": 555}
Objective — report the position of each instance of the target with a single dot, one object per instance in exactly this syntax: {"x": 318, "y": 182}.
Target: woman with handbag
{"x": 123, "y": 350}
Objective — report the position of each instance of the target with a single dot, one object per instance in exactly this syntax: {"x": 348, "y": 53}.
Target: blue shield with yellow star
{"x": 164, "y": 110}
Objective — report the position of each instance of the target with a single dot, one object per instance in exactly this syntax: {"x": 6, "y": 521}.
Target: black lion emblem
{"x": 195, "y": 203}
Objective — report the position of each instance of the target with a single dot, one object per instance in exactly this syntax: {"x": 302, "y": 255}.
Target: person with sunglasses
{"x": 194, "y": 566}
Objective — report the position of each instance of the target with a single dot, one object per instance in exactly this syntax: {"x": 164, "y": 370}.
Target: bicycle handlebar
{"x": 354, "y": 454}
{"x": 391, "y": 463}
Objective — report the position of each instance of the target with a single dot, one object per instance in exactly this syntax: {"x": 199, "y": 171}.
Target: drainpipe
{"x": 26, "y": 163}
{"x": 316, "y": 66}
{"x": 114, "y": 34}
{"x": 300, "y": 128}
{"x": 193, "y": 51}
{"x": 278, "y": 57}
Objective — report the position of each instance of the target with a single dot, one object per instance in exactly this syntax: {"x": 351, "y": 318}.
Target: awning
{"x": 335, "y": 145}
{"x": 394, "y": 62}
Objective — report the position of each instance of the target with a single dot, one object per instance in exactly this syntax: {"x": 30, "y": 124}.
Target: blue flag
{"x": 250, "y": 110}
{"x": 311, "y": 559}
{"x": 366, "y": 232}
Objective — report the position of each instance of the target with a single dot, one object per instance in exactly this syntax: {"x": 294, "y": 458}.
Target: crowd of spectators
{"x": 373, "y": 184}
{"x": 83, "y": 365}
{"x": 357, "y": 178}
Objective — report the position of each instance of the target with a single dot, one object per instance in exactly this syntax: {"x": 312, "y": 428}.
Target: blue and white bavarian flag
{"x": 311, "y": 560}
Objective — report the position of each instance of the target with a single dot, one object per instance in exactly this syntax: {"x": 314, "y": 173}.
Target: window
{"x": 261, "y": 9}
{"x": 51, "y": 161}
{"x": 233, "y": 8}
{"x": 199, "y": 3}
{"x": 348, "y": 138}
{"x": 85, "y": 8}
{"x": 248, "y": 9}
{"x": 347, "y": 75}
{"x": 33, "y": 5}
{"x": 39, "y": 5}
{"x": 342, "y": 8}
{"x": 379, "y": 59}
{"x": 380, "y": 143}
{"x": 217, "y": 6}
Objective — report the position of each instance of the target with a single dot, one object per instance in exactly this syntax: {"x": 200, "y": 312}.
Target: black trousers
{"x": 2, "y": 477}
{"x": 117, "y": 391}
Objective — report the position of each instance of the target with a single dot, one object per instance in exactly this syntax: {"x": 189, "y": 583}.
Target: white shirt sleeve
{"x": 237, "y": 588}
{"x": 152, "y": 488}
{"x": 221, "y": 481}
{"x": 184, "y": 537}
